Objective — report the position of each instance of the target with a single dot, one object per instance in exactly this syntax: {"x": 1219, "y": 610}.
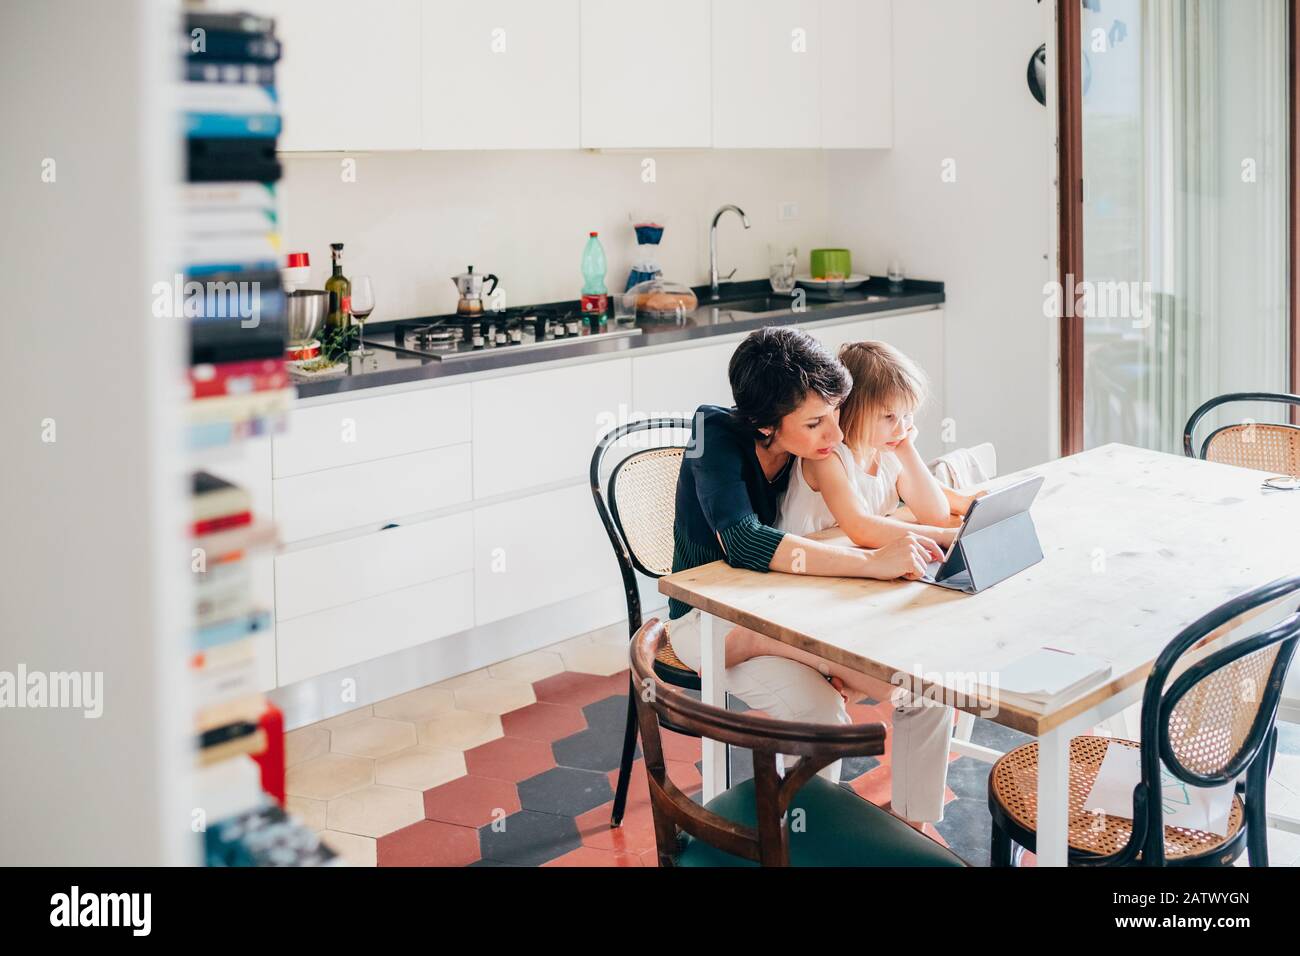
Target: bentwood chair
{"x": 1212, "y": 724}
{"x": 799, "y": 820}
{"x": 636, "y": 504}
{"x": 1260, "y": 445}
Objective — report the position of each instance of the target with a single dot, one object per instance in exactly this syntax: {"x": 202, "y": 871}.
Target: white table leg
{"x": 1053, "y": 797}
{"x": 712, "y": 691}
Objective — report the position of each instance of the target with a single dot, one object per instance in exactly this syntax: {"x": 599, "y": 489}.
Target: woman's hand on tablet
{"x": 905, "y": 557}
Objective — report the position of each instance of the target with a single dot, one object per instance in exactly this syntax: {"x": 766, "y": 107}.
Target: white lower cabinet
{"x": 540, "y": 428}
{"x": 675, "y": 384}
{"x": 538, "y": 550}
{"x": 371, "y": 492}
{"x": 341, "y": 572}
{"x": 338, "y": 637}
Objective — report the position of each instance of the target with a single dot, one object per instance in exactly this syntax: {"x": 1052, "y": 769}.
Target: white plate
{"x": 852, "y": 282}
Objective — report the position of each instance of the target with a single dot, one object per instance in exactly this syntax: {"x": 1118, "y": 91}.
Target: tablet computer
{"x": 983, "y": 513}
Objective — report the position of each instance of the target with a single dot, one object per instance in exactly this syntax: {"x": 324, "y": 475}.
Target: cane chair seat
{"x": 1261, "y": 446}
{"x": 642, "y": 491}
{"x": 1013, "y": 788}
{"x": 669, "y": 658}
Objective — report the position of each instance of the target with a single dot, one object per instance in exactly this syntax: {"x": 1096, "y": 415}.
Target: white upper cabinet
{"x": 645, "y": 74}
{"x": 565, "y": 74}
{"x": 500, "y": 74}
{"x": 802, "y": 74}
{"x": 349, "y": 77}
{"x": 857, "y": 101}
{"x": 766, "y": 73}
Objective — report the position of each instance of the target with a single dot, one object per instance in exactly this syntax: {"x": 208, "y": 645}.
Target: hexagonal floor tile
{"x": 463, "y": 680}
{"x": 420, "y": 767}
{"x": 510, "y": 758}
{"x": 328, "y": 776}
{"x": 373, "y": 737}
{"x": 428, "y": 843}
{"x": 565, "y": 791}
{"x": 635, "y": 835}
{"x": 310, "y": 812}
{"x": 305, "y": 743}
{"x": 460, "y": 730}
{"x": 528, "y": 667}
{"x": 418, "y": 705}
{"x": 356, "y": 850}
{"x": 528, "y": 838}
{"x": 578, "y": 690}
{"x": 471, "y": 801}
{"x": 590, "y": 856}
{"x": 374, "y": 811}
{"x": 344, "y": 719}
{"x": 545, "y": 722}
{"x": 600, "y": 746}
{"x": 599, "y": 659}
{"x": 493, "y": 696}
{"x": 616, "y": 633}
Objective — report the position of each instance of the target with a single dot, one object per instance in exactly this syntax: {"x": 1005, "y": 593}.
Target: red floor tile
{"x": 590, "y": 856}
{"x": 636, "y": 835}
{"x": 544, "y": 722}
{"x": 471, "y": 801}
{"x": 510, "y": 758}
{"x": 679, "y": 746}
{"x": 873, "y": 786}
{"x": 578, "y": 690}
{"x": 428, "y": 843}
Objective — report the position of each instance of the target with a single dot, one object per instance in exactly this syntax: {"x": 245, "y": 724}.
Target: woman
{"x": 787, "y": 388}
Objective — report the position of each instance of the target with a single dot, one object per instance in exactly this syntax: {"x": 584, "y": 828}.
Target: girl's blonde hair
{"x": 882, "y": 376}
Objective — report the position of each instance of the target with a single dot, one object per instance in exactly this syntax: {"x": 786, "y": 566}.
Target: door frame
{"x": 1069, "y": 46}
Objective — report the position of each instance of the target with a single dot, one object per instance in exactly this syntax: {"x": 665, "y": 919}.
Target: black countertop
{"x": 388, "y": 367}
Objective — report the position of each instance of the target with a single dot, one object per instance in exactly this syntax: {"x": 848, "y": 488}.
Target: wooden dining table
{"x": 1136, "y": 545}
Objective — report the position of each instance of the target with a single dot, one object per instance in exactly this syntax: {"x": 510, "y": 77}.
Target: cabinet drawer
{"x": 327, "y": 640}
{"x": 345, "y": 571}
{"x": 540, "y": 428}
{"x": 344, "y": 433}
{"x": 675, "y": 384}
{"x": 539, "y": 550}
{"x": 372, "y": 492}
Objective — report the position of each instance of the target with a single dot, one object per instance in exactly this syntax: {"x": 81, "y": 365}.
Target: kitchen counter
{"x": 388, "y": 367}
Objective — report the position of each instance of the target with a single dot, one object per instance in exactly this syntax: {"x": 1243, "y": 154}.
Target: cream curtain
{"x": 1212, "y": 191}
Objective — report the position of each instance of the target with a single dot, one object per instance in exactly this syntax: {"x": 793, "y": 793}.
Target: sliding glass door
{"x": 1184, "y": 292}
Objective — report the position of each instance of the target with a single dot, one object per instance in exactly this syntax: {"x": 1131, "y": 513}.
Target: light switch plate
{"x": 788, "y": 211}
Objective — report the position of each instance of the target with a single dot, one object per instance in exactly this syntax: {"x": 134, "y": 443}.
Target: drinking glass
{"x": 781, "y": 265}
{"x": 835, "y": 285}
{"x": 363, "y": 303}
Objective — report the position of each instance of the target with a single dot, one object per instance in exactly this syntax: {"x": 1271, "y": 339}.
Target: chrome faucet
{"x": 713, "y": 248}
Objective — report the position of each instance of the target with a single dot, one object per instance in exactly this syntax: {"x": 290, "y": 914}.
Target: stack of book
{"x": 239, "y": 387}
{"x": 226, "y": 622}
{"x": 230, "y": 290}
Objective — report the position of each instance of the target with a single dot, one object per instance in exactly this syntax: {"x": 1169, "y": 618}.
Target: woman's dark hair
{"x": 773, "y": 370}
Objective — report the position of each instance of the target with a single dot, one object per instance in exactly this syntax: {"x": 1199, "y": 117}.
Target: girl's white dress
{"x": 804, "y": 511}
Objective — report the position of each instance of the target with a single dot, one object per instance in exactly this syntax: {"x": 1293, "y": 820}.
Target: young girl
{"x": 856, "y": 484}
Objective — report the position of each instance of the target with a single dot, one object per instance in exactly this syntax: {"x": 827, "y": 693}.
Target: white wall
{"x": 960, "y": 94}
{"x": 413, "y": 220}
{"x": 93, "y": 568}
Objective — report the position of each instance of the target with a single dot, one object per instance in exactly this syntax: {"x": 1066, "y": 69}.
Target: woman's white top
{"x": 804, "y": 511}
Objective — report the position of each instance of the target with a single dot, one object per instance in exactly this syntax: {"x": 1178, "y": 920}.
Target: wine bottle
{"x": 340, "y": 291}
